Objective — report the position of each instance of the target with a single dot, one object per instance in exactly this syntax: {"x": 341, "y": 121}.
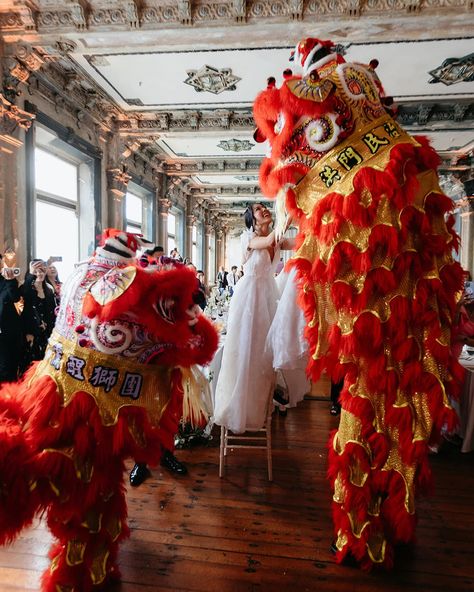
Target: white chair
{"x": 259, "y": 440}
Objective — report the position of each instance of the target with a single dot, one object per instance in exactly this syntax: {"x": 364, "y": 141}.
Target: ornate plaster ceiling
{"x": 178, "y": 78}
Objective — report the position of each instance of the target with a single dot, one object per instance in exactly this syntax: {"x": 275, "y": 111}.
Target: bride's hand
{"x": 288, "y": 222}
{"x": 281, "y": 236}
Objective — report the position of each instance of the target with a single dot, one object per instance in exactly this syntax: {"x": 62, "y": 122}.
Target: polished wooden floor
{"x": 243, "y": 534}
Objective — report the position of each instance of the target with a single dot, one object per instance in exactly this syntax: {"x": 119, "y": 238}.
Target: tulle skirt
{"x": 286, "y": 342}
{"x": 246, "y": 376}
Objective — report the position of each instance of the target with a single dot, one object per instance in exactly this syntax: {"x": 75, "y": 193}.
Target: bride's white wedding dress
{"x": 246, "y": 373}
{"x": 286, "y": 341}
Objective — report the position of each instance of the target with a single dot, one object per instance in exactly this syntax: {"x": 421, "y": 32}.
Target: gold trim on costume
{"x": 113, "y": 382}
{"x": 75, "y": 552}
{"x": 114, "y": 527}
{"x": 98, "y": 569}
{"x": 341, "y": 540}
{"x": 368, "y": 146}
{"x": 93, "y": 521}
{"x": 357, "y": 527}
{"x": 376, "y": 546}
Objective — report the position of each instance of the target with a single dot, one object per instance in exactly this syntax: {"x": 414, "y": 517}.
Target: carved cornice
{"x": 183, "y": 168}
{"x": 409, "y": 114}
{"x": 227, "y": 191}
{"x": 64, "y": 90}
{"x": 77, "y": 15}
{"x": 431, "y": 112}
{"x": 187, "y": 121}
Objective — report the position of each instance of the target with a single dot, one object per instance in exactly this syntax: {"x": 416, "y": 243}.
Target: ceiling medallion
{"x": 234, "y": 145}
{"x": 454, "y": 70}
{"x": 213, "y": 80}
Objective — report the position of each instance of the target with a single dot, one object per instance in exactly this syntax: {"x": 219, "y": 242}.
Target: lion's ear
{"x": 113, "y": 284}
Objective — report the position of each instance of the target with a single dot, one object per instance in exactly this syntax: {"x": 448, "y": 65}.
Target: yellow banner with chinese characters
{"x": 114, "y": 382}
{"x": 369, "y": 146}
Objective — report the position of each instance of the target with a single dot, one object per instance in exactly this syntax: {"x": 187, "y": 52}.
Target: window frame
{"x": 77, "y": 151}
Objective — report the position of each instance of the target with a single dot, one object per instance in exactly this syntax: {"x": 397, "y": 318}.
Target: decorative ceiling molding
{"x": 454, "y": 70}
{"x": 213, "y": 80}
{"x": 78, "y": 15}
{"x": 234, "y": 145}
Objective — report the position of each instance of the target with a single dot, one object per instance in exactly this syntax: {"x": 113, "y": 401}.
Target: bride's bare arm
{"x": 262, "y": 242}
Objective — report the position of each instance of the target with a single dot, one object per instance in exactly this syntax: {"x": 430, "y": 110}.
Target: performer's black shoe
{"x": 170, "y": 462}
{"x": 335, "y": 409}
{"x": 138, "y": 474}
{"x": 278, "y": 397}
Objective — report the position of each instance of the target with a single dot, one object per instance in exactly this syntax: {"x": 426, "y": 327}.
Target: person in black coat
{"x": 222, "y": 279}
{"x": 39, "y": 312}
{"x": 10, "y": 324}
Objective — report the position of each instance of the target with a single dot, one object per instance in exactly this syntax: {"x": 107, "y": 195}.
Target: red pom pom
{"x": 80, "y": 329}
{"x": 83, "y": 342}
{"x": 373, "y": 63}
{"x": 271, "y": 82}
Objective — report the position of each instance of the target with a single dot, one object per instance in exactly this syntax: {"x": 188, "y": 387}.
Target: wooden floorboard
{"x": 241, "y": 533}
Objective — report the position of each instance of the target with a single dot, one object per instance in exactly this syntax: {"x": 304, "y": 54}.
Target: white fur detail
{"x": 316, "y": 130}
{"x": 118, "y": 337}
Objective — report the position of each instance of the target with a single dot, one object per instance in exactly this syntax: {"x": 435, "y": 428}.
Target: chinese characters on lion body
{"x": 111, "y": 386}
{"x": 377, "y": 283}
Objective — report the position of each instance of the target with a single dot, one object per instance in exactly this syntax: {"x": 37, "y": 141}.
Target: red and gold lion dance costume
{"x": 110, "y": 387}
{"x": 377, "y": 283}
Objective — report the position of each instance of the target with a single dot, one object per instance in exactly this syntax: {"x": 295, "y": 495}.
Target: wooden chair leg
{"x": 269, "y": 447}
{"x": 221, "y": 452}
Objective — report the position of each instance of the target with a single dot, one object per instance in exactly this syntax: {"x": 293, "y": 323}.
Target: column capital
{"x": 117, "y": 181}
{"x": 466, "y": 205}
{"x": 164, "y": 204}
{"x": 12, "y": 118}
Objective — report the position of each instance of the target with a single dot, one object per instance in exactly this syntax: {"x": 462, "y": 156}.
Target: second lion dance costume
{"x": 118, "y": 368}
{"x": 377, "y": 283}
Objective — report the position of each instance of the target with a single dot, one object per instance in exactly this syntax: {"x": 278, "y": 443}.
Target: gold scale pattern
{"x": 309, "y": 192}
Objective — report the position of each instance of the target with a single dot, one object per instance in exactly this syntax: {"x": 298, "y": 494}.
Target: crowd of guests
{"x": 227, "y": 280}
{"x": 28, "y": 309}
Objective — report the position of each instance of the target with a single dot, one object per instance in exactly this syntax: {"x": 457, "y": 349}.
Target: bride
{"x": 246, "y": 375}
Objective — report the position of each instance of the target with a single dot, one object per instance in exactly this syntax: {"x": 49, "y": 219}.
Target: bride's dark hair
{"x": 249, "y": 218}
